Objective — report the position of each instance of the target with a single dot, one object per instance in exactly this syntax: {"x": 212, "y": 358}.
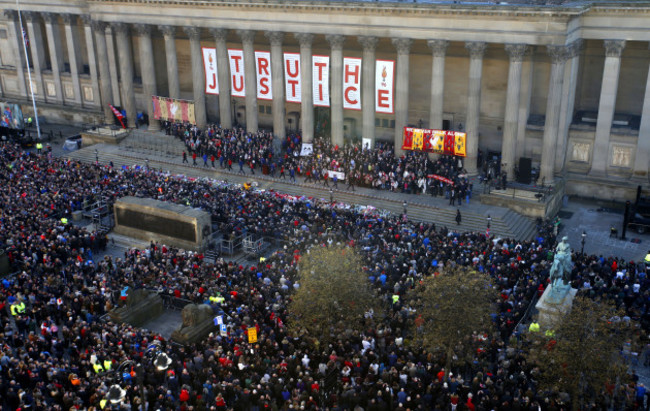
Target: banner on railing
{"x": 435, "y": 141}
{"x": 171, "y": 109}
{"x": 440, "y": 178}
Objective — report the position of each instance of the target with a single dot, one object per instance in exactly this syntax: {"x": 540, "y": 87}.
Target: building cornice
{"x": 401, "y": 9}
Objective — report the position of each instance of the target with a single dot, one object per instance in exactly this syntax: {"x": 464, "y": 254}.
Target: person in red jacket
{"x": 220, "y": 402}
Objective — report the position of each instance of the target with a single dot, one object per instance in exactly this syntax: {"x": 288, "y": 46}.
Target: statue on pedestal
{"x": 561, "y": 271}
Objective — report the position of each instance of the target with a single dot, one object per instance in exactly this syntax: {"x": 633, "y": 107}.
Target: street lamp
{"x": 404, "y": 204}
{"x": 147, "y": 164}
{"x": 115, "y": 394}
{"x": 584, "y": 237}
{"x": 489, "y": 220}
{"x": 162, "y": 361}
{"x": 96, "y": 156}
{"x": 331, "y": 195}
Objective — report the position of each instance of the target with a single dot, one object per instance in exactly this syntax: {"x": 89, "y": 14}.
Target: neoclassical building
{"x": 564, "y": 84}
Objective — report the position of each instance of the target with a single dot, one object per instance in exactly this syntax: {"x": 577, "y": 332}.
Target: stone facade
{"x": 563, "y": 83}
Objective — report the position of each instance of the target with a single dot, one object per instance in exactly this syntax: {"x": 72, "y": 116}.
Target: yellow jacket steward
{"x": 18, "y": 308}
{"x": 534, "y": 327}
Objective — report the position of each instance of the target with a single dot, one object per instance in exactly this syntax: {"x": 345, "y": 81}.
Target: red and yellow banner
{"x": 434, "y": 141}
{"x": 171, "y": 109}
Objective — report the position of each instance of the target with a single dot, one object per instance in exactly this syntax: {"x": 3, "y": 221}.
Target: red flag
{"x": 156, "y": 107}
{"x": 426, "y": 135}
{"x": 407, "y": 143}
{"x": 118, "y": 115}
{"x": 184, "y": 112}
{"x": 449, "y": 143}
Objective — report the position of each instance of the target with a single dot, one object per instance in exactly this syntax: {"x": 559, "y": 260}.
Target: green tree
{"x": 581, "y": 353}
{"x": 334, "y": 295}
{"x": 453, "y": 312}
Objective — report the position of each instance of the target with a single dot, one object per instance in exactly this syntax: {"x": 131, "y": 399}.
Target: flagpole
{"x": 29, "y": 71}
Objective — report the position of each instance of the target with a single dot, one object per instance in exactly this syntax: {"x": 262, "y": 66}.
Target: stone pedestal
{"x": 141, "y": 306}
{"x": 551, "y": 308}
{"x": 197, "y": 324}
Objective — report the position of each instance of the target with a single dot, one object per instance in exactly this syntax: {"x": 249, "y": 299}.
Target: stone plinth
{"x": 550, "y": 308}
{"x": 169, "y": 223}
{"x": 197, "y": 324}
{"x": 104, "y": 135}
{"x": 141, "y": 306}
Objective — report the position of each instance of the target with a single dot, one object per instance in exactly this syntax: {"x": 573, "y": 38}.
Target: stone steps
{"x": 505, "y": 223}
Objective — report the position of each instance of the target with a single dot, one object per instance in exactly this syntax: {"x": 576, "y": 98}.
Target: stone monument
{"x": 141, "y": 306}
{"x": 197, "y": 324}
{"x": 153, "y": 220}
{"x": 558, "y": 296}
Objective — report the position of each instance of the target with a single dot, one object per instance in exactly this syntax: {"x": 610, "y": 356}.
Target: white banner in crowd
{"x": 236, "y": 58}
{"x": 292, "y": 77}
{"x": 366, "y": 143}
{"x": 340, "y": 176}
{"x": 351, "y": 83}
{"x": 210, "y": 68}
{"x": 307, "y": 149}
{"x": 384, "y": 86}
{"x": 321, "y": 80}
{"x": 263, "y": 69}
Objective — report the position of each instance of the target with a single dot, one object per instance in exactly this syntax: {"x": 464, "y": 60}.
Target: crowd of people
{"x": 58, "y": 351}
{"x": 378, "y": 167}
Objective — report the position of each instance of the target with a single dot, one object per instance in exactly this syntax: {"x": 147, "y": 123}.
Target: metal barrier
{"x": 229, "y": 245}
{"x": 253, "y": 246}
{"x": 174, "y": 303}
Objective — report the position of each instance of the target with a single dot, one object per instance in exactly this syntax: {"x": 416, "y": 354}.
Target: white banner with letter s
{"x": 292, "y": 77}
{"x": 307, "y": 149}
{"x": 384, "y": 71}
{"x": 321, "y": 80}
{"x": 236, "y": 58}
{"x": 263, "y": 70}
{"x": 210, "y": 68}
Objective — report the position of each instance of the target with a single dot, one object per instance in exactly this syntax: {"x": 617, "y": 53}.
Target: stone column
{"x": 123, "y": 41}
{"x": 223, "y": 74}
{"x": 509, "y": 143}
{"x": 558, "y": 55}
{"x": 306, "y": 94}
{"x": 18, "y": 51}
{"x": 606, "y": 106}
{"x": 37, "y": 52}
{"x": 169, "y": 33}
{"x": 476, "y": 52}
{"x": 527, "y": 71}
{"x": 99, "y": 27}
{"x": 72, "y": 41}
{"x": 198, "y": 77}
{"x": 56, "y": 56}
{"x": 92, "y": 60}
{"x": 112, "y": 66}
{"x": 148, "y": 71}
{"x": 403, "y": 47}
{"x": 642, "y": 157}
{"x": 368, "y": 87}
{"x": 438, "y": 50}
{"x": 277, "y": 82}
{"x": 336, "y": 90}
{"x": 250, "y": 79}
{"x": 568, "y": 103}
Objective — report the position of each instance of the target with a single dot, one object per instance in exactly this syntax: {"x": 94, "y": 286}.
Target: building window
{"x": 268, "y": 110}
{"x": 392, "y": 124}
{"x": 261, "y": 109}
